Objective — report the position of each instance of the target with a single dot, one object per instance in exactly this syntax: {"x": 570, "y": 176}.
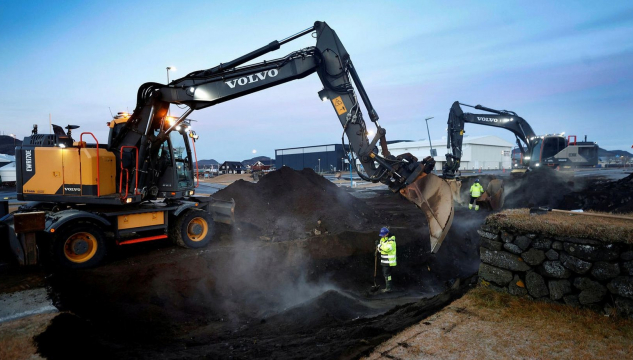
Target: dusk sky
{"x": 561, "y": 65}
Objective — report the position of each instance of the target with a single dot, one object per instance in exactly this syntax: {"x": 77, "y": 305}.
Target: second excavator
{"x": 140, "y": 187}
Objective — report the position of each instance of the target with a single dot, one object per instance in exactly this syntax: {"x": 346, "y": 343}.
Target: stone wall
{"x": 579, "y": 272}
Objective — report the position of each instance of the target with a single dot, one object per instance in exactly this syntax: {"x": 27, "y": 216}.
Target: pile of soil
{"x": 288, "y": 204}
{"x": 613, "y": 196}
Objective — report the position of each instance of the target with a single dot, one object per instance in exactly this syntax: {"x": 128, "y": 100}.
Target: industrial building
{"x": 485, "y": 152}
{"x": 320, "y": 158}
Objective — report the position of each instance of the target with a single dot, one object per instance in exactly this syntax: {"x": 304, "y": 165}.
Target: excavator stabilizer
{"x": 434, "y": 196}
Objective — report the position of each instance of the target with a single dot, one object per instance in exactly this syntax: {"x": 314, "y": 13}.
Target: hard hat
{"x": 476, "y": 180}
{"x": 384, "y": 231}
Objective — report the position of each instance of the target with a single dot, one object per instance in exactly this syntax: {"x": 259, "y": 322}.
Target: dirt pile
{"x": 288, "y": 204}
{"x": 613, "y": 196}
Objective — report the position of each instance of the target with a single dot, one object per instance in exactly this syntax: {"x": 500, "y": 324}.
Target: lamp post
{"x": 428, "y": 132}
{"x": 174, "y": 69}
{"x": 319, "y": 165}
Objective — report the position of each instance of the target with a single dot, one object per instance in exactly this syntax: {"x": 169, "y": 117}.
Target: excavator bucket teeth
{"x": 495, "y": 194}
{"x": 456, "y": 187}
{"x": 434, "y": 196}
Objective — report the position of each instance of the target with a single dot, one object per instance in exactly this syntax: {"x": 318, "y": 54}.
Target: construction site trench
{"x": 289, "y": 280}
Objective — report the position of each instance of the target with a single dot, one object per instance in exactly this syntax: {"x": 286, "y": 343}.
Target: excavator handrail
{"x": 98, "y": 172}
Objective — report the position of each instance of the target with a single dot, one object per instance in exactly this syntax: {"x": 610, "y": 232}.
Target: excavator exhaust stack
{"x": 434, "y": 196}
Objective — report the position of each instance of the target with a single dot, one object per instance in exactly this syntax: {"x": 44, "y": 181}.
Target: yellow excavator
{"x": 140, "y": 186}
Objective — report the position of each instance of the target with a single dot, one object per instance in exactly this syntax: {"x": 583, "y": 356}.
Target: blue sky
{"x": 563, "y": 65}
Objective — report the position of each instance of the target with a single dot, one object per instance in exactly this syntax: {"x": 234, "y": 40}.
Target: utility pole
{"x": 428, "y": 132}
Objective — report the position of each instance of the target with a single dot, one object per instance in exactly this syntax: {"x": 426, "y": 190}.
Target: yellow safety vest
{"x": 387, "y": 249}
{"x": 476, "y": 190}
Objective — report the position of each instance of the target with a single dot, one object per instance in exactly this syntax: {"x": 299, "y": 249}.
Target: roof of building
{"x": 4, "y": 158}
{"x": 233, "y": 164}
{"x": 489, "y": 140}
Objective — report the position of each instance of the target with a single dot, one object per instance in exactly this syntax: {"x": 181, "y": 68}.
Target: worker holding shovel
{"x": 387, "y": 249}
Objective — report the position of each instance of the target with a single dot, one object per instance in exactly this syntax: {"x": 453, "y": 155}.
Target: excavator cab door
{"x": 175, "y": 166}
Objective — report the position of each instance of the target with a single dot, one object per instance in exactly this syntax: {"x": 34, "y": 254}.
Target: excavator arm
{"x": 147, "y": 127}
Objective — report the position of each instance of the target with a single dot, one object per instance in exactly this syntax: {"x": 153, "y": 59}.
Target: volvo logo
{"x": 487, "y": 119}
{"x": 252, "y": 78}
{"x": 28, "y": 159}
{"x": 69, "y": 189}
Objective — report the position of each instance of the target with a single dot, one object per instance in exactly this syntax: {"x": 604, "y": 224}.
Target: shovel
{"x": 375, "y": 287}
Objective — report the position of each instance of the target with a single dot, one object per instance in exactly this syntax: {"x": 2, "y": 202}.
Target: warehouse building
{"x": 485, "y": 152}
{"x": 321, "y": 158}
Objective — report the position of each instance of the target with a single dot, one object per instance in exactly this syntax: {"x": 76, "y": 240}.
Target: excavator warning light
{"x": 52, "y": 230}
{"x": 323, "y": 95}
{"x": 173, "y": 194}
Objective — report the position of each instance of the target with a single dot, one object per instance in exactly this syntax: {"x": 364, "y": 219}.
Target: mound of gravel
{"x": 613, "y": 196}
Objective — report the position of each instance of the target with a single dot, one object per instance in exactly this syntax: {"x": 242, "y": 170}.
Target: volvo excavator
{"x": 535, "y": 151}
{"x": 140, "y": 185}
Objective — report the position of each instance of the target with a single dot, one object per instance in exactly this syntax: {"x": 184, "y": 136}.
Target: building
{"x": 232, "y": 167}
{"x": 486, "y": 152}
{"x": 264, "y": 165}
{"x": 321, "y": 158}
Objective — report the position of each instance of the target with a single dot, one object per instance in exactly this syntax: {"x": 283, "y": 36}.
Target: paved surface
{"x": 25, "y": 303}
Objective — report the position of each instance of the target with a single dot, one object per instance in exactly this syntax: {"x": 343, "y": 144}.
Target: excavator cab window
{"x": 180, "y": 151}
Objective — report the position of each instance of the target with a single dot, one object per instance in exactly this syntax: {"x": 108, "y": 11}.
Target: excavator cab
{"x": 175, "y": 165}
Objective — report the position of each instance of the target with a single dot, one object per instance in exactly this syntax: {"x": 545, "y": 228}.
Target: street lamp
{"x": 319, "y": 165}
{"x": 174, "y": 69}
{"x": 13, "y": 136}
{"x": 428, "y": 132}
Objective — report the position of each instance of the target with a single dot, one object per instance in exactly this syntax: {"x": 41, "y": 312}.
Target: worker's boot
{"x": 470, "y": 206}
{"x": 387, "y": 288}
{"x": 476, "y": 207}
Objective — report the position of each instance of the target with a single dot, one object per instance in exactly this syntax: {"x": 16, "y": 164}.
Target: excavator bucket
{"x": 495, "y": 194}
{"x": 434, "y": 196}
{"x": 456, "y": 187}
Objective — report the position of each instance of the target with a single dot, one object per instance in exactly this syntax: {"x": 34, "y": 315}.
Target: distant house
{"x": 264, "y": 165}
{"x": 232, "y": 167}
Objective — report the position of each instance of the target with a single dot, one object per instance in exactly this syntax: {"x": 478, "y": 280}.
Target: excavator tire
{"x": 79, "y": 246}
{"x": 193, "y": 229}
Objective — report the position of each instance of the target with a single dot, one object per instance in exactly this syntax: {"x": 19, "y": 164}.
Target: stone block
{"x": 554, "y": 269}
{"x": 606, "y": 252}
{"x": 496, "y": 275}
{"x": 627, "y": 267}
{"x": 551, "y": 254}
{"x": 591, "y": 291}
{"x": 488, "y": 235}
{"x": 571, "y": 300}
{"x": 557, "y": 245}
{"x": 558, "y": 288}
{"x": 542, "y": 244}
{"x": 536, "y": 285}
{"x": 506, "y": 237}
{"x": 533, "y": 257}
{"x": 604, "y": 270}
{"x": 503, "y": 260}
{"x": 624, "y": 306}
{"x": 579, "y": 241}
{"x": 523, "y": 242}
{"x": 574, "y": 264}
{"x": 627, "y": 255}
{"x": 517, "y": 287}
{"x": 491, "y": 244}
{"x": 512, "y": 248}
{"x": 532, "y": 236}
{"x": 622, "y": 285}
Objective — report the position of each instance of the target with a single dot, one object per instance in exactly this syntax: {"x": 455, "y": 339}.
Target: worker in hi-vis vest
{"x": 387, "y": 249}
{"x": 475, "y": 191}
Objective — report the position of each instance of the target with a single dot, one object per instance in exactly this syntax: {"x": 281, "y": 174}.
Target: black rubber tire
{"x": 180, "y": 236}
{"x": 59, "y": 244}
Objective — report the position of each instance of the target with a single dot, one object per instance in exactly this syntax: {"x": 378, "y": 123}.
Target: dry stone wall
{"x": 579, "y": 272}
